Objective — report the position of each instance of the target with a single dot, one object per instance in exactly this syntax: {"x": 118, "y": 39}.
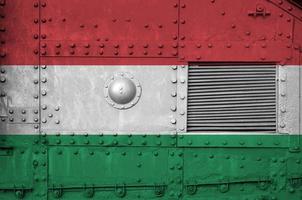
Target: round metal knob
{"x": 122, "y": 90}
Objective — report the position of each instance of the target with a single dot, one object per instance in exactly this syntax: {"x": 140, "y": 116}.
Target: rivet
{"x": 2, "y": 79}
{"x": 44, "y": 80}
{"x": 173, "y": 108}
{"x": 36, "y": 51}
{"x": 43, "y": 52}
{"x": 173, "y": 80}
{"x": 36, "y": 36}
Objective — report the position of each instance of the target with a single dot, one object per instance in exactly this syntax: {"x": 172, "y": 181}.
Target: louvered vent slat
{"x": 231, "y": 98}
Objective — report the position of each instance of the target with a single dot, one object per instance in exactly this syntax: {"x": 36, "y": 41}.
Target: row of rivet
{"x": 99, "y": 50}
{"x": 2, "y": 32}
{"x": 182, "y": 88}
{"x": 173, "y": 107}
{"x": 113, "y": 142}
{"x": 47, "y": 114}
{"x": 120, "y": 190}
{"x": 287, "y": 7}
{"x": 282, "y": 99}
{"x": 3, "y": 80}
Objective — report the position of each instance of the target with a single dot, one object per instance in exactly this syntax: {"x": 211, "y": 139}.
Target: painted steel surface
{"x": 62, "y": 136}
{"x": 153, "y": 32}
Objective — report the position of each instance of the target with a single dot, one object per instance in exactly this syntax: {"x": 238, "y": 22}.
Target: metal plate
{"x": 73, "y": 100}
{"x": 19, "y": 99}
{"x": 104, "y": 29}
{"x": 289, "y": 106}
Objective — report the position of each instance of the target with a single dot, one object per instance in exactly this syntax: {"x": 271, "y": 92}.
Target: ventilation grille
{"x": 231, "y": 98}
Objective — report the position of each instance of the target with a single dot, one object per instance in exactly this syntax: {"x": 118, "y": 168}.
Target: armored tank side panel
{"x": 157, "y": 99}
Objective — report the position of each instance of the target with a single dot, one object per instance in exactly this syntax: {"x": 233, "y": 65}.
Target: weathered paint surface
{"x": 52, "y": 142}
{"x": 150, "y": 167}
{"x": 153, "y": 32}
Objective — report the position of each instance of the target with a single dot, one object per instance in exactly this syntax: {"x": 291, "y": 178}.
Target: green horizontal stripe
{"x": 184, "y": 140}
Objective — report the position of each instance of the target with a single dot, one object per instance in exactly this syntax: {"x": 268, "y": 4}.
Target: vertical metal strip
{"x": 282, "y": 100}
{"x": 182, "y": 90}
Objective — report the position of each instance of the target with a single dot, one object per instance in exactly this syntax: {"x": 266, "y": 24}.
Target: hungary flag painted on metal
{"x": 157, "y": 99}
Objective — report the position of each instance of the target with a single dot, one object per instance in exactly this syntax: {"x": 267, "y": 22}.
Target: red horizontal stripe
{"x": 102, "y": 33}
